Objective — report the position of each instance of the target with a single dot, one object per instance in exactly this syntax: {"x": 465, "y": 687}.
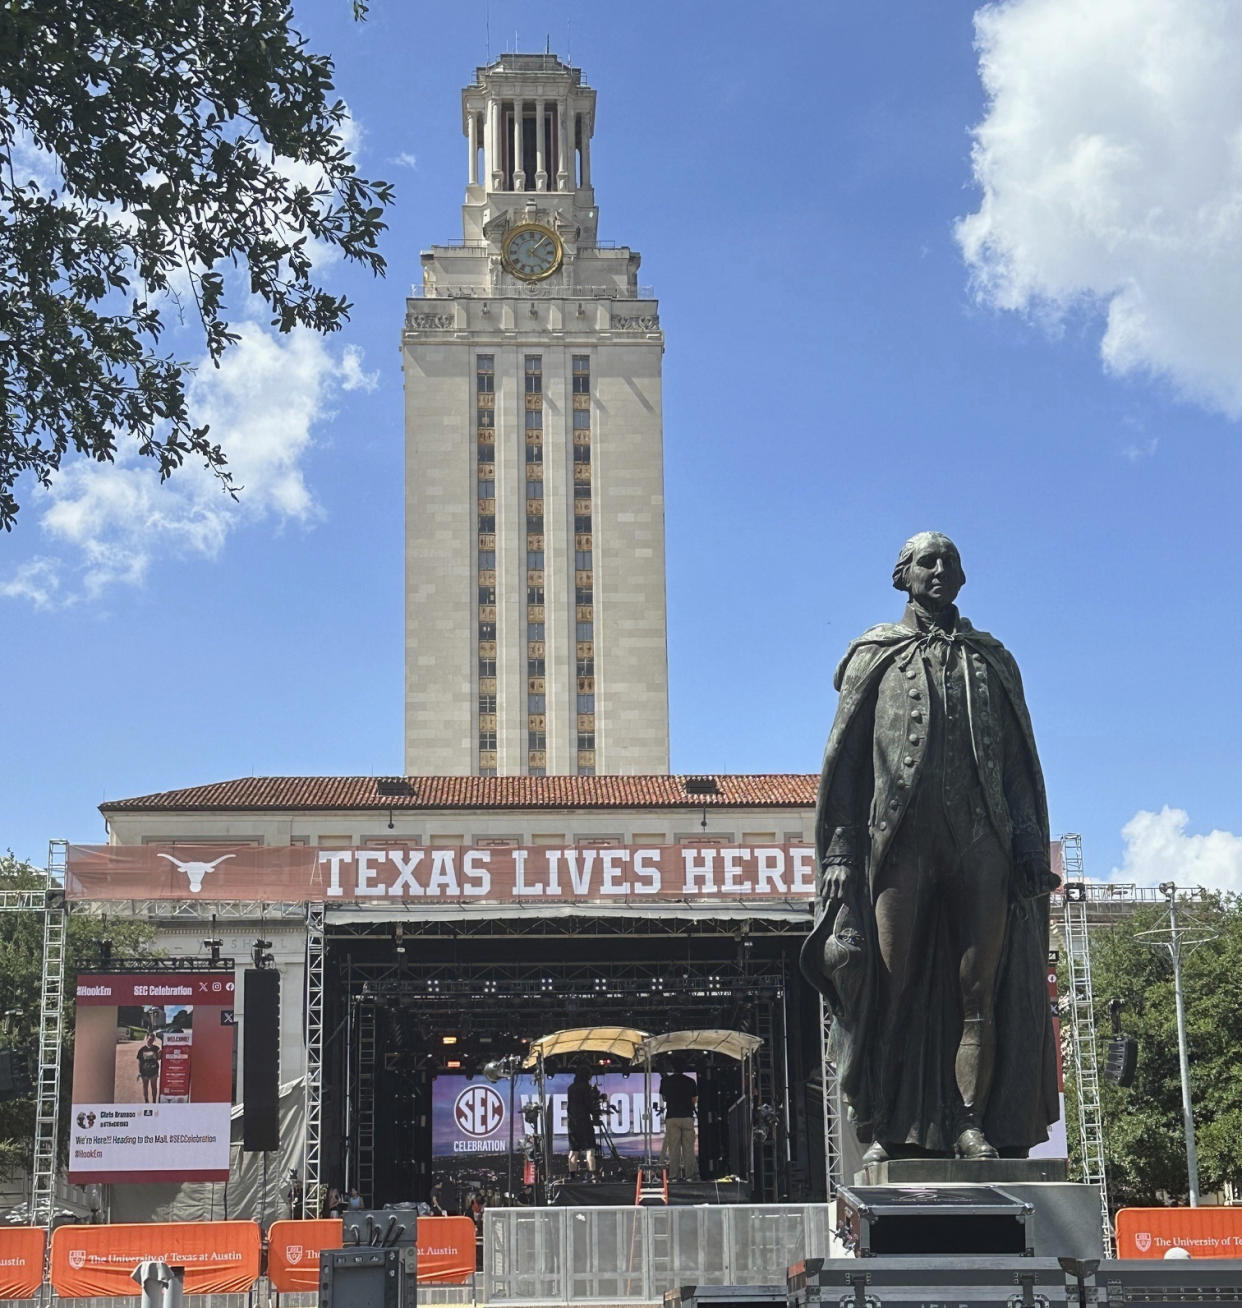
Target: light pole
{"x": 1177, "y": 940}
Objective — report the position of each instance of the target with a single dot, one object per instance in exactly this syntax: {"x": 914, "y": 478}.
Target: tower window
{"x": 582, "y": 374}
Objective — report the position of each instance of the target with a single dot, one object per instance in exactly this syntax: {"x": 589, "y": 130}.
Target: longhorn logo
{"x": 195, "y": 871}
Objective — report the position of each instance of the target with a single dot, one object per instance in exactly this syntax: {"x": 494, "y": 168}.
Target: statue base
{"x": 961, "y": 1171}
{"x": 1067, "y": 1219}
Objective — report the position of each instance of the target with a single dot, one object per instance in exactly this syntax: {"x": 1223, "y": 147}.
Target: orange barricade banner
{"x": 218, "y": 1257}
{"x": 445, "y": 1250}
{"x": 293, "y": 1252}
{"x": 1202, "y": 1232}
{"x": 21, "y": 1261}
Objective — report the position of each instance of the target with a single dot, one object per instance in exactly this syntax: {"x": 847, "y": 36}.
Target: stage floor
{"x": 610, "y": 1194}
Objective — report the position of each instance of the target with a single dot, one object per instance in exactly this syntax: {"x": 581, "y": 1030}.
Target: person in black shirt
{"x": 149, "y": 1056}
{"x": 680, "y": 1094}
{"x": 581, "y": 1106}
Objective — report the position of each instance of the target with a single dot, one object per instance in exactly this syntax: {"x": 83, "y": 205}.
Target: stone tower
{"x": 535, "y": 598}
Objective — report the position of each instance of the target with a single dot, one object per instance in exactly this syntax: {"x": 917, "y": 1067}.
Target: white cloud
{"x": 1158, "y": 849}
{"x": 36, "y": 580}
{"x": 1110, "y": 161}
{"x": 406, "y": 160}
{"x": 110, "y": 523}
{"x": 353, "y": 376}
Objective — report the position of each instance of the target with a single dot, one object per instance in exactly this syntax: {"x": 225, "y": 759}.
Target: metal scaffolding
{"x": 834, "y": 1155}
{"x": 51, "y": 1010}
{"x": 312, "y": 1156}
{"x": 1082, "y": 1031}
{"x": 367, "y": 1041}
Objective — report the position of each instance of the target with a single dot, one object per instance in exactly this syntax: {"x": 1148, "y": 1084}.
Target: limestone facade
{"x": 535, "y": 610}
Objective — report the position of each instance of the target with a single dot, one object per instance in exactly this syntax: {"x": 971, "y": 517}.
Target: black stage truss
{"x": 404, "y": 1005}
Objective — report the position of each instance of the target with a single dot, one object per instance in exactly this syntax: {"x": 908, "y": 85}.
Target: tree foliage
{"x": 1143, "y": 1132}
{"x": 146, "y": 148}
{"x": 21, "y": 976}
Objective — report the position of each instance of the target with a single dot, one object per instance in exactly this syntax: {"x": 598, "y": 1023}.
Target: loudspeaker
{"x": 260, "y": 1059}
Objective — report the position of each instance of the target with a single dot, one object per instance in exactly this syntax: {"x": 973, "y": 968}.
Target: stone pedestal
{"x": 961, "y": 1171}
{"x": 1067, "y": 1213}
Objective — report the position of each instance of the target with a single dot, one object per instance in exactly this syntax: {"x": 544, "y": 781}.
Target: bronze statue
{"x": 931, "y": 933}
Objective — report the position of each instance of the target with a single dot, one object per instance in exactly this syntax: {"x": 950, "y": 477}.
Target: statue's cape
{"x": 840, "y": 957}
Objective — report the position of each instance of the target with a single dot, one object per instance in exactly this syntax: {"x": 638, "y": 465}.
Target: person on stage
{"x": 680, "y": 1095}
{"x": 581, "y": 1110}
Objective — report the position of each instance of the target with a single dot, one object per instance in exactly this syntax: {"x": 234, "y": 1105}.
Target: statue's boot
{"x": 972, "y": 1143}
{"x": 876, "y": 1153}
{"x": 973, "y": 1071}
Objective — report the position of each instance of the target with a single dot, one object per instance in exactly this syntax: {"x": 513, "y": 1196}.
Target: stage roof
{"x": 342, "y": 794}
{"x": 734, "y": 1044}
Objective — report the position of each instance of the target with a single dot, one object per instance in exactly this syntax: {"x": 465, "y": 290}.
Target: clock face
{"x": 532, "y": 252}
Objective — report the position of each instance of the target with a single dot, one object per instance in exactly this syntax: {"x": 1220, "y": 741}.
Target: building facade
{"x": 535, "y": 593}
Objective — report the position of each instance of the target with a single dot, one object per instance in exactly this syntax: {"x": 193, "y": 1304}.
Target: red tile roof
{"x": 775, "y": 790}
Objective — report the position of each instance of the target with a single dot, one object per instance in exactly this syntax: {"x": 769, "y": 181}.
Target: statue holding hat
{"x": 931, "y": 934}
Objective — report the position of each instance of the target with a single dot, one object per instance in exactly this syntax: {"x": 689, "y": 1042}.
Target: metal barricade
{"x": 619, "y": 1255}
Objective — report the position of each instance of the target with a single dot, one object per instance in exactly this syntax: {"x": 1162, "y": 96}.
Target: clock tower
{"x": 535, "y": 599}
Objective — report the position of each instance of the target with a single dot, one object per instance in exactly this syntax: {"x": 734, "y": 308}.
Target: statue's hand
{"x": 839, "y": 870}
{"x": 1035, "y": 876}
{"x": 839, "y": 876}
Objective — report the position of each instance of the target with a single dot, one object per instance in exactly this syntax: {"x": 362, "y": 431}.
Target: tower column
{"x": 492, "y": 162}
{"x": 563, "y": 158}
{"x": 472, "y": 141}
{"x": 519, "y": 145}
{"x": 586, "y": 152}
{"x": 541, "y": 163}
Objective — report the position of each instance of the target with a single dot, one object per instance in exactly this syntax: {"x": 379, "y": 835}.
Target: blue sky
{"x": 870, "y": 331}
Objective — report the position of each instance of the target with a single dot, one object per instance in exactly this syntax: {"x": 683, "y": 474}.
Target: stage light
{"x": 398, "y": 938}
{"x": 262, "y": 959}
{"x": 453, "y": 1063}
{"x": 448, "y": 1040}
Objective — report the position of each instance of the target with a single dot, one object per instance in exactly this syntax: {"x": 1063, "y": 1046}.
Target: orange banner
{"x": 445, "y": 1250}
{"x": 293, "y": 1252}
{"x": 218, "y": 1257}
{"x": 21, "y": 1261}
{"x": 419, "y": 875}
{"x": 1202, "y": 1232}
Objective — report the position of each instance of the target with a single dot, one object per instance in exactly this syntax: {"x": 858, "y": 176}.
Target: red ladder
{"x": 652, "y": 1187}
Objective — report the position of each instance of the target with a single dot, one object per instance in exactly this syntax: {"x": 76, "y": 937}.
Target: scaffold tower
{"x": 312, "y": 1167}
{"x": 51, "y": 1010}
{"x": 1082, "y": 1029}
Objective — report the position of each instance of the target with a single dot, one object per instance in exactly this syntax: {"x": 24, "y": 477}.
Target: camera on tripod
{"x": 603, "y": 1106}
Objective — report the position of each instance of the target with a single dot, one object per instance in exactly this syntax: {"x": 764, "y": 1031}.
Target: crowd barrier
{"x": 614, "y": 1255}
{"x": 222, "y": 1260}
